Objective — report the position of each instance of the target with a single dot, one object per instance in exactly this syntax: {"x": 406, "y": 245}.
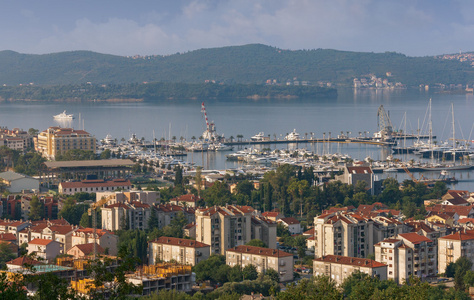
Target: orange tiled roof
{"x": 179, "y": 242}
{"x": 414, "y": 238}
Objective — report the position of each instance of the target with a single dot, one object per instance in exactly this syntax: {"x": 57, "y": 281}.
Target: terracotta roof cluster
{"x": 95, "y": 183}
{"x": 7, "y": 237}
{"x": 419, "y": 226}
{"x": 179, "y": 242}
{"x": 271, "y": 214}
{"x": 456, "y": 197}
{"x": 365, "y": 209}
{"x": 259, "y": 251}
{"x": 339, "y": 209}
{"x": 462, "y": 211}
{"x": 352, "y": 261}
{"x": 226, "y": 210}
{"x": 118, "y": 205}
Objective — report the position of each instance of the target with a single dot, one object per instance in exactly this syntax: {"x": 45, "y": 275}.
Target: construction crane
{"x": 93, "y": 211}
{"x": 210, "y": 132}
{"x": 384, "y": 125}
{"x": 422, "y": 178}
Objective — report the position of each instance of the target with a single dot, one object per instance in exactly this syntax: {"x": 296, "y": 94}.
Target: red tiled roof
{"x": 62, "y": 229}
{"x": 179, "y": 242}
{"x": 460, "y": 210}
{"x": 7, "y": 237}
{"x": 414, "y": 238}
{"x": 140, "y": 204}
{"x": 309, "y": 232}
{"x": 359, "y": 170}
{"x": 353, "y": 261}
{"x": 88, "y": 249}
{"x": 259, "y": 251}
{"x": 43, "y": 242}
{"x": 271, "y": 214}
{"x": 99, "y": 232}
{"x": 460, "y": 236}
{"x": 21, "y": 261}
{"x": 466, "y": 220}
{"x": 187, "y": 198}
{"x": 290, "y": 221}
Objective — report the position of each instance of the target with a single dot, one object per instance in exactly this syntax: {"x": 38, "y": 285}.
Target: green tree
{"x": 106, "y": 154}
{"x": 250, "y": 272}
{"x": 256, "y": 243}
{"x": 205, "y": 269}
{"x": 273, "y": 275}
{"x": 319, "y": 287}
{"x": 85, "y": 220}
{"x": 6, "y": 253}
{"x": 36, "y": 209}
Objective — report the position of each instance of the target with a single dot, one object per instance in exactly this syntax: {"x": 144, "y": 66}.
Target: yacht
{"x": 258, "y": 137}
{"x": 64, "y": 116}
{"x": 292, "y": 136}
{"x": 221, "y": 147}
{"x": 109, "y": 140}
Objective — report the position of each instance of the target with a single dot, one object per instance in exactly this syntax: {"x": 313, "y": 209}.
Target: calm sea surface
{"x": 351, "y": 111}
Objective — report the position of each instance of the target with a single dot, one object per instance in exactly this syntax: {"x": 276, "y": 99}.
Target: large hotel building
{"x": 57, "y": 140}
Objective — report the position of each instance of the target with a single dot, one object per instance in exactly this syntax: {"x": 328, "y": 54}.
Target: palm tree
{"x": 193, "y": 138}
{"x": 231, "y": 138}
{"x": 239, "y": 137}
{"x": 305, "y": 135}
{"x": 174, "y": 138}
{"x": 181, "y": 139}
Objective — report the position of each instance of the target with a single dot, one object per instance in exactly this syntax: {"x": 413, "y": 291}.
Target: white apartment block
{"x": 224, "y": 227}
{"x": 453, "y": 246}
{"x": 116, "y": 216}
{"x": 407, "y": 254}
{"x": 184, "y": 251}
{"x": 263, "y": 259}
{"x": 338, "y": 268}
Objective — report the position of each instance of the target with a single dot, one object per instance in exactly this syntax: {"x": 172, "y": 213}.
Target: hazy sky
{"x": 412, "y": 27}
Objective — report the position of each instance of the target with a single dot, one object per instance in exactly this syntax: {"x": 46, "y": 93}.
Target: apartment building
{"x": 224, "y": 227}
{"x": 184, "y": 251}
{"x": 353, "y": 174}
{"x": 16, "y": 139}
{"x": 57, "y": 140}
{"x": 49, "y": 231}
{"x": 407, "y": 254}
{"x": 343, "y": 234}
{"x": 167, "y": 212}
{"x": 188, "y": 200}
{"x": 263, "y": 259}
{"x": 93, "y": 186}
{"x": 453, "y": 246}
{"x": 265, "y": 230}
{"x": 338, "y": 268}
{"x": 133, "y": 215}
{"x": 293, "y": 225}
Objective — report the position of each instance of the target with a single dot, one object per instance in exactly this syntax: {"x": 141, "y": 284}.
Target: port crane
{"x": 210, "y": 134}
{"x": 384, "y": 125}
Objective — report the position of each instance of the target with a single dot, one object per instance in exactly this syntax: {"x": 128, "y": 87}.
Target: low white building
{"x": 184, "y": 251}
{"x": 16, "y": 182}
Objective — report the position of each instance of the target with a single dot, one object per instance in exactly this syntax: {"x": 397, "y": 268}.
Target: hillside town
{"x": 78, "y": 210}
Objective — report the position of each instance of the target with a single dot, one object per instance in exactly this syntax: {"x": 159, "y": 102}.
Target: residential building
{"x": 340, "y": 234}
{"x": 50, "y": 231}
{"x": 45, "y": 249}
{"x": 167, "y": 212}
{"x": 56, "y": 140}
{"x": 265, "y": 230}
{"x": 183, "y": 251}
{"x": 148, "y": 197}
{"x": 132, "y": 215}
{"x": 293, "y": 225}
{"x": 224, "y": 227}
{"x": 188, "y": 200}
{"x": 407, "y": 254}
{"x": 273, "y": 215}
{"x": 456, "y": 197}
{"x": 106, "y": 239}
{"x": 93, "y": 186}
{"x": 17, "y": 183}
{"x": 16, "y": 139}
{"x": 453, "y": 246}
{"x": 338, "y": 268}
{"x": 461, "y": 211}
{"x": 353, "y": 174}
{"x": 263, "y": 259}
{"x": 190, "y": 230}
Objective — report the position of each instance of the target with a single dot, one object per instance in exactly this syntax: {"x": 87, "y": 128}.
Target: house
{"x": 273, "y": 215}
{"x": 189, "y": 230}
{"x": 133, "y": 215}
{"x": 16, "y": 182}
{"x": 85, "y": 250}
{"x": 21, "y": 262}
{"x": 461, "y": 211}
{"x": 293, "y": 225}
{"x": 188, "y": 200}
{"x": 262, "y": 259}
{"x": 45, "y": 249}
{"x": 455, "y": 197}
{"x": 354, "y": 174}
{"x": 338, "y": 267}
{"x": 184, "y": 251}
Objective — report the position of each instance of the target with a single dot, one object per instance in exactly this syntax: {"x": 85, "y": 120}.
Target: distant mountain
{"x": 249, "y": 64}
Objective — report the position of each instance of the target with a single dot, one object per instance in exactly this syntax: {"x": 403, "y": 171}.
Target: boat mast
{"x": 454, "y": 134}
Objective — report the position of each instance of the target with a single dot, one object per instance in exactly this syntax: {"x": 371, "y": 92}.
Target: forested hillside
{"x": 249, "y": 64}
